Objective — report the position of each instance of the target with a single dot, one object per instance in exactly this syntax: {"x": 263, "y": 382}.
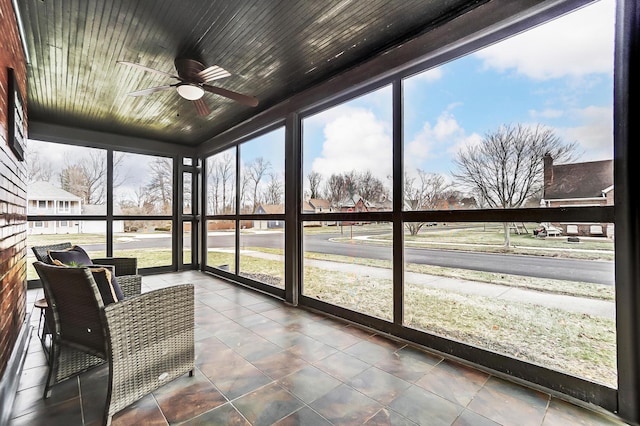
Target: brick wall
{"x": 12, "y": 195}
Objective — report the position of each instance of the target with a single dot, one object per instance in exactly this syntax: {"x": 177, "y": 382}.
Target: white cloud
{"x": 594, "y": 133}
{"x": 474, "y": 139}
{"x": 356, "y": 140}
{"x": 577, "y": 44}
{"x": 434, "y": 74}
{"x": 547, "y": 113}
{"x": 445, "y": 136}
{"x": 429, "y": 76}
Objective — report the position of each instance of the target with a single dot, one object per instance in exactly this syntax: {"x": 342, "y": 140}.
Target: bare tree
{"x": 160, "y": 185}
{"x": 220, "y": 183}
{"x": 506, "y": 168}
{"x": 213, "y": 186}
{"x": 369, "y": 187}
{"x": 274, "y": 192}
{"x": 256, "y": 172}
{"x": 423, "y": 193}
{"x": 86, "y": 177}
{"x": 225, "y": 169}
{"x": 315, "y": 179}
{"x": 37, "y": 170}
{"x": 335, "y": 189}
{"x": 244, "y": 184}
{"x": 341, "y": 186}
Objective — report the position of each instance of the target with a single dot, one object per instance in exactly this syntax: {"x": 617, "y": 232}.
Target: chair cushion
{"x": 107, "y": 284}
{"x": 75, "y": 256}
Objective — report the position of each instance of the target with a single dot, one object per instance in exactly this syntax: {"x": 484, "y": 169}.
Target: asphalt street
{"x": 599, "y": 272}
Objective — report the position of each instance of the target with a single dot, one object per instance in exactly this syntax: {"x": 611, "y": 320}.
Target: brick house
{"x": 579, "y": 184}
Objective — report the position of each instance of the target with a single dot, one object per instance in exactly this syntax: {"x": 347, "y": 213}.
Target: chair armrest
{"x": 131, "y": 285}
{"x": 123, "y": 265}
{"x": 151, "y": 342}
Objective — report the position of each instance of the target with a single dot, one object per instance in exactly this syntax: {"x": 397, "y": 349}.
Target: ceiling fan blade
{"x": 142, "y": 67}
{"x": 150, "y": 90}
{"x": 201, "y": 107}
{"x": 188, "y": 69}
{"x": 214, "y": 72}
{"x": 238, "y": 97}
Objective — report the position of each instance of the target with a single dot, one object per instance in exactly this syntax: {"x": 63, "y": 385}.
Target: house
{"x": 44, "y": 198}
{"x": 269, "y": 209}
{"x": 100, "y": 227}
{"x": 354, "y": 203}
{"x": 579, "y": 184}
{"x": 318, "y": 205}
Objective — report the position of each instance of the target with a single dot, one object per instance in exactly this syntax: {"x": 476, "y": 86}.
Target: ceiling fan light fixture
{"x": 190, "y": 92}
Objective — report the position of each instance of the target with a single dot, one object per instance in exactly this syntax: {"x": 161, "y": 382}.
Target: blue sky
{"x": 559, "y": 74}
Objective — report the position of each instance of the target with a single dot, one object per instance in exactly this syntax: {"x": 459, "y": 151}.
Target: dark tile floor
{"x": 261, "y": 362}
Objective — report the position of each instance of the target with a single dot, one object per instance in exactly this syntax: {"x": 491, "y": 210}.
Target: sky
{"x": 559, "y": 74}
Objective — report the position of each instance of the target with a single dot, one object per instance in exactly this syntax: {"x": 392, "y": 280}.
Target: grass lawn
{"x": 577, "y": 344}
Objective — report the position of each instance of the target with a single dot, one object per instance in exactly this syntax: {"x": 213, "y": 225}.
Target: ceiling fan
{"x": 192, "y": 83}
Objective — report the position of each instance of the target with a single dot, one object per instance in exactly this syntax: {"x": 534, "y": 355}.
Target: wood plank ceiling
{"x": 273, "y": 49}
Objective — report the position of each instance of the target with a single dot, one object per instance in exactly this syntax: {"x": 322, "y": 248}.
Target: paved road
{"x": 599, "y": 272}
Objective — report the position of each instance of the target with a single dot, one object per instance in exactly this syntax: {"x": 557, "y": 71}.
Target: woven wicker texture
{"x": 131, "y": 285}
{"x": 42, "y": 252}
{"x": 78, "y": 334}
{"x": 123, "y": 265}
{"x": 147, "y": 339}
{"x": 152, "y": 342}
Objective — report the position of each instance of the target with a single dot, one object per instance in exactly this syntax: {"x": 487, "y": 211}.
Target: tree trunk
{"x": 507, "y": 235}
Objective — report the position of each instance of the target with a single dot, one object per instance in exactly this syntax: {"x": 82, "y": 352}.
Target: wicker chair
{"x": 147, "y": 340}
{"x": 126, "y": 268}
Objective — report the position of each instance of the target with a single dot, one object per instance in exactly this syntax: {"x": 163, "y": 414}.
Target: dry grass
{"x": 577, "y": 344}
{"x": 570, "y": 288}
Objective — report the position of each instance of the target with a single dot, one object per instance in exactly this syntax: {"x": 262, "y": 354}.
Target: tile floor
{"x": 260, "y": 362}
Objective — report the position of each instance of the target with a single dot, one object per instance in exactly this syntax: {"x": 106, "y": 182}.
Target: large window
{"x": 524, "y": 123}
{"x": 221, "y": 183}
{"x": 68, "y": 187}
{"x": 262, "y": 193}
{"x": 68, "y": 182}
{"x": 143, "y": 187}
{"x": 256, "y": 210}
{"x": 348, "y": 168}
{"x": 348, "y": 156}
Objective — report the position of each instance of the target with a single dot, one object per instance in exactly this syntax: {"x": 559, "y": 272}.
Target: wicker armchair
{"x": 147, "y": 340}
{"x": 126, "y": 268}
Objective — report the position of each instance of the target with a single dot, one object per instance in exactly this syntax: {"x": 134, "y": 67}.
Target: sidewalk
{"x": 582, "y": 305}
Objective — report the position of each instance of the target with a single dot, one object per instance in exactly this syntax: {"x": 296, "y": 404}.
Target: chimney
{"x": 548, "y": 171}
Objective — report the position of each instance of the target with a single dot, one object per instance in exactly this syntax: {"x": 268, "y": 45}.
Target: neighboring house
{"x": 579, "y": 184}
{"x": 269, "y": 209}
{"x": 319, "y": 205}
{"x": 44, "y": 198}
{"x": 307, "y": 208}
{"x": 99, "y": 226}
{"x": 354, "y": 203}
{"x": 383, "y": 205}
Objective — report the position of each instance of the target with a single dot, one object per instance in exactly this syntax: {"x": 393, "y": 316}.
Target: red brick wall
{"x": 12, "y": 195}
